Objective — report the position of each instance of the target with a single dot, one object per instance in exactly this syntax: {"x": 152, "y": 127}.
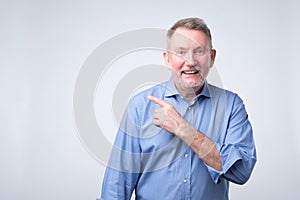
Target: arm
{"x": 203, "y": 146}
{"x": 233, "y": 157}
{"x": 123, "y": 169}
{"x": 168, "y": 118}
{"x": 237, "y": 147}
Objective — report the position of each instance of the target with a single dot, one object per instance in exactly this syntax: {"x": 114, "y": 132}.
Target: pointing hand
{"x": 166, "y": 116}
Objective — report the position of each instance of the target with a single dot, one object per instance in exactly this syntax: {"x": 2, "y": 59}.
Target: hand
{"x": 166, "y": 116}
{"x": 169, "y": 119}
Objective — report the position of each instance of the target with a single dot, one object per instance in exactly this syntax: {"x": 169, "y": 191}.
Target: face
{"x": 190, "y": 58}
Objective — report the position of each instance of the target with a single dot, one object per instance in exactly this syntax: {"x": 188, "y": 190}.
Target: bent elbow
{"x": 240, "y": 172}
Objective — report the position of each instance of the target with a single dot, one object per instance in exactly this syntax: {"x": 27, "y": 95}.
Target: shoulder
{"x": 157, "y": 90}
{"x": 139, "y": 100}
{"x": 215, "y": 91}
{"x": 218, "y": 93}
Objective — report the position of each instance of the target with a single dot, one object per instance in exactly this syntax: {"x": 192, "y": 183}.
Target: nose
{"x": 190, "y": 59}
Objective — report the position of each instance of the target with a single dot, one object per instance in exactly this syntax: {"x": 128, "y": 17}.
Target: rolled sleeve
{"x": 237, "y": 165}
{"x": 237, "y": 149}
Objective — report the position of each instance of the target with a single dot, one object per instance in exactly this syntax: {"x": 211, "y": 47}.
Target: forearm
{"x": 204, "y": 147}
{"x": 169, "y": 119}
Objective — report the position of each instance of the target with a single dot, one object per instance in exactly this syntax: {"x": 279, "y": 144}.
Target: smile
{"x": 190, "y": 72}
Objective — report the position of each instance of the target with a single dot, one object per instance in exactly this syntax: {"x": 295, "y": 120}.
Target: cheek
{"x": 205, "y": 63}
{"x": 177, "y": 63}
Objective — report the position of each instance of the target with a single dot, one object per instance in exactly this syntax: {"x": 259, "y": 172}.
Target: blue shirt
{"x": 158, "y": 165}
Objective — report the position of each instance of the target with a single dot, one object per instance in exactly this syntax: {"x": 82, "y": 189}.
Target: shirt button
{"x": 185, "y": 180}
{"x": 189, "y": 108}
{"x": 186, "y": 155}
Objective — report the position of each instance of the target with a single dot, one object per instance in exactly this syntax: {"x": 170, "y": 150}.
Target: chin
{"x": 192, "y": 85}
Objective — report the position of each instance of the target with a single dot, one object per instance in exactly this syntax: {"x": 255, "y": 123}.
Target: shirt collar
{"x": 171, "y": 89}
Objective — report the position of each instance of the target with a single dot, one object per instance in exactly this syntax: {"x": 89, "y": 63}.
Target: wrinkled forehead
{"x": 185, "y": 38}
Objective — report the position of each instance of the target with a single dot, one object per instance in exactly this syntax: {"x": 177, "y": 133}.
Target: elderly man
{"x": 184, "y": 138}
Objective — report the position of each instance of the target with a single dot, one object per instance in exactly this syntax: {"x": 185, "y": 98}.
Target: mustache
{"x": 194, "y": 67}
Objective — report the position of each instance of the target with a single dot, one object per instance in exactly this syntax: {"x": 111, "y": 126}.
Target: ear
{"x": 167, "y": 59}
{"x": 213, "y": 56}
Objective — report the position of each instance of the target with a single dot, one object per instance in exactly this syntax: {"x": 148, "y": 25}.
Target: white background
{"x": 44, "y": 43}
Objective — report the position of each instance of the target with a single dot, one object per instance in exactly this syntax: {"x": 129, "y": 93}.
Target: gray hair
{"x": 192, "y": 23}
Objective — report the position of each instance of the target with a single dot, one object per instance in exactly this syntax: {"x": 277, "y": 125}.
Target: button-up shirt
{"x": 157, "y": 165}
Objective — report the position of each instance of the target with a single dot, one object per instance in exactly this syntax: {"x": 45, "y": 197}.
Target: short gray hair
{"x": 192, "y": 23}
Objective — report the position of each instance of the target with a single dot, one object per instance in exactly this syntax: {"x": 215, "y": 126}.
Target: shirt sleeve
{"x": 237, "y": 148}
{"x": 122, "y": 171}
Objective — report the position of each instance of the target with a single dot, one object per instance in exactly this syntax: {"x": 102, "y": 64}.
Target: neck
{"x": 190, "y": 93}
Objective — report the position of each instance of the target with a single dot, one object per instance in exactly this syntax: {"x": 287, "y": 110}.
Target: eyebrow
{"x": 200, "y": 47}
{"x": 185, "y": 48}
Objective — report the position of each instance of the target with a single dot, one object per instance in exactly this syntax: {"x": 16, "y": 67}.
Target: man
{"x": 184, "y": 138}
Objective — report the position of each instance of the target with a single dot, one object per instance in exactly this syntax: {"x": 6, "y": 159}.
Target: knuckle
{"x": 168, "y": 107}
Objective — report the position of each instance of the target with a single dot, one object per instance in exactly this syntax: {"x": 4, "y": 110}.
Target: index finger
{"x": 158, "y": 101}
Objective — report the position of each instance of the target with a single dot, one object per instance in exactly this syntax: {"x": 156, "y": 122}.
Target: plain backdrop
{"x": 43, "y": 45}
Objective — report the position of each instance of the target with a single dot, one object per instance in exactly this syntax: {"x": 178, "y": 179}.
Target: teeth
{"x": 190, "y": 72}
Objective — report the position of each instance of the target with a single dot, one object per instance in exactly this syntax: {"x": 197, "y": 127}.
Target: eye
{"x": 181, "y": 52}
{"x": 200, "y": 51}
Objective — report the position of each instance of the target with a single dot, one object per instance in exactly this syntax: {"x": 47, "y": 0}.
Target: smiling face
{"x": 189, "y": 57}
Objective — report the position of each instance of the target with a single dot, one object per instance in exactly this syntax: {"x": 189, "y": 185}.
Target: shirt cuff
{"x": 229, "y": 157}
